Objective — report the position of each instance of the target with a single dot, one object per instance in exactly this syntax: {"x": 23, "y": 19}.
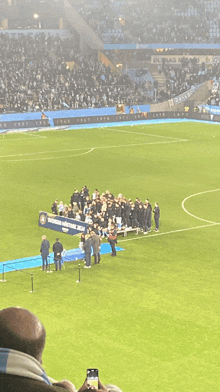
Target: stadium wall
{"x": 67, "y": 118}
{"x": 33, "y": 119}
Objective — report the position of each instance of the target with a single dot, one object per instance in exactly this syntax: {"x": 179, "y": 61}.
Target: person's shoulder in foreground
{"x": 22, "y": 340}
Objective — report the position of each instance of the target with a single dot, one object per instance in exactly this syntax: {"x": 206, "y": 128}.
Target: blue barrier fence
{"x": 33, "y": 119}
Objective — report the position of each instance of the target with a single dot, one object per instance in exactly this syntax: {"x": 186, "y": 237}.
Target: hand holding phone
{"x": 86, "y": 387}
{"x": 93, "y": 377}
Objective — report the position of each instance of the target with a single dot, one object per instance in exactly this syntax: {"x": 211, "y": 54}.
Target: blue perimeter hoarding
{"x": 61, "y": 224}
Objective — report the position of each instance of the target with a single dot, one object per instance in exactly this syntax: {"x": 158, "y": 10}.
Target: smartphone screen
{"x": 93, "y": 377}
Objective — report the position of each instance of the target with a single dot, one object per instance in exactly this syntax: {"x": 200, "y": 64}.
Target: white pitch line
{"x": 148, "y": 134}
{"x": 44, "y": 152}
{"x": 80, "y": 149}
{"x": 143, "y": 144}
{"x": 2, "y": 139}
{"x": 181, "y": 230}
{"x": 32, "y": 134}
{"x": 44, "y": 159}
{"x": 197, "y": 194}
{"x": 168, "y": 232}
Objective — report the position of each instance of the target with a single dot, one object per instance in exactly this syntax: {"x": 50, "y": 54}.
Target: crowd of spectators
{"x": 188, "y": 73}
{"x": 103, "y": 212}
{"x": 44, "y": 72}
{"x": 34, "y": 76}
{"x": 139, "y": 21}
{"x": 103, "y": 18}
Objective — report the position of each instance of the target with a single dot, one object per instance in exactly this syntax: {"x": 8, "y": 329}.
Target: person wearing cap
{"x": 44, "y": 250}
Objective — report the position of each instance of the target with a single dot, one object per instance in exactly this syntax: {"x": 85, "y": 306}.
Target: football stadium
{"x": 110, "y": 128}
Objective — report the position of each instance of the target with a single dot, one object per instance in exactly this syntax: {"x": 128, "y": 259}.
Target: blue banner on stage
{"x": 62, "y": 224}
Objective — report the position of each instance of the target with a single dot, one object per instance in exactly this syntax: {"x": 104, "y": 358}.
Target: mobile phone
{"x": 93, "y": 377}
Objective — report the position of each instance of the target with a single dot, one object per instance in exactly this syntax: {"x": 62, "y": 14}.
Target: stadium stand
{"x": 150, "y": 22}
{"x": 43, "y": 72}
{"x": 35, "y": 76}
{"x": 182, "y": 77}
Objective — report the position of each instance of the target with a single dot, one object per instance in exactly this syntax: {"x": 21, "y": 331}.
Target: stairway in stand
{"x": 158, "y": 76}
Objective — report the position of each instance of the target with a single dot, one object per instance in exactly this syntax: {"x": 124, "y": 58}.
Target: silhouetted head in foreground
{"x": 21, "y": 330}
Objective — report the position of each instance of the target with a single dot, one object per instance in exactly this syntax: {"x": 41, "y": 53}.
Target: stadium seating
{"x": 150, "y": 22}
{"x": 35, "y": 76}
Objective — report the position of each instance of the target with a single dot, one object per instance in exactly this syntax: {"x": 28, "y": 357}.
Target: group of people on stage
{"x": 106, "y": 215}
{"x": 104, "y": 212}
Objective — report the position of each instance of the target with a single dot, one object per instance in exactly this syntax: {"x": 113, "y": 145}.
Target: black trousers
{"x": 112, "y": 244}
{"x": 97, "y": 258}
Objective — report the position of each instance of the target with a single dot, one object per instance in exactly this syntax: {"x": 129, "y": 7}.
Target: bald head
{"x": 21, "y": 330}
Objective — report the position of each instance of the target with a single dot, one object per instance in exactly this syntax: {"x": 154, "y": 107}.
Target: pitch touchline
{"x": 169, "y": 232}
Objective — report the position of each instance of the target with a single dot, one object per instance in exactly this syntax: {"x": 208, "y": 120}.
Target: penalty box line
{"x": 169, "y": 232}
{"x": 147, "y": 134}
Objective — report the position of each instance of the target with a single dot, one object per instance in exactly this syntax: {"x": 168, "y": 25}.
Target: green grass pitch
{"x": 149, "y": 319}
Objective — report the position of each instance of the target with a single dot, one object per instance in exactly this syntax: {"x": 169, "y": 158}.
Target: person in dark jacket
{"x": 87, "y": 249}
{"x": 57, "y": 249}
{"x": 134, "y": 221}
{"x": 145, "y": 219}
{"x": 75, "y": 198}
{"x": 112, "y": 239}
{"x": 44, "y": 250}
{"x": 156, "y": 212}
{"x": 149, "y": 215}
{"x": 140, "y": 216}
{"x": 96, "y": 243}
{"x": 127, "y": 214}
{"x": 54, "y": 207}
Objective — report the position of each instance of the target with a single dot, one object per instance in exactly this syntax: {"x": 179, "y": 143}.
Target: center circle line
{"x": 197, "y": 194}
